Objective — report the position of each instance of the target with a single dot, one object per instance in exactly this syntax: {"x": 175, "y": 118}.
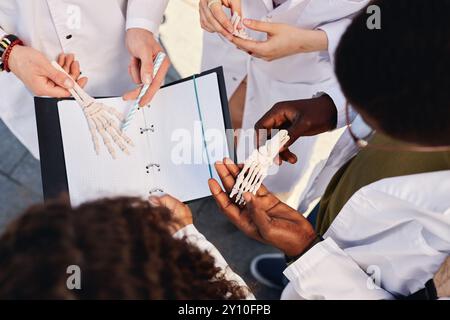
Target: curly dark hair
{"x": 122, "y": 246}
{"x": 399, "y": 75}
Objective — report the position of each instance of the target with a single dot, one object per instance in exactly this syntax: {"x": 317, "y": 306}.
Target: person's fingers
{"x": 168, "y": 202}
{"x": 267, "y": 27}
{"x": 132, "y": 95}
{"x": 272, "y": 119}
{"x": 82, "y": 82}
{"x": 250, "y": 46}
{"x": 146, "y": 70}
{"x": 203, "y": 18}
{"x": 258, "y": 215}
{"x": 58, "y": 77}
{"x": 68, "y": 62}
{"x": 226, "y": 176}
{"x": 74, "y": 70}
{"x": 61, "y": 59}
{"x": 298, "y": 128}
{"x": 222, "y": 18}
{"x": 134, "y": 69}
{"x": 232, "y": 167}
{"x": 216, "y": 24}
{"x": 156, "y": 83}
{"x": 288, "y": 156}
{"x": 230, "y": 170}
{"x": 50, "y": 89}
{"x": 226, "y": 206}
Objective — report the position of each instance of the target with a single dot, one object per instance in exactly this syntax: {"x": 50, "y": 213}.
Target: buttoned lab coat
{"x": 93, "y": 30}
{"x": 296, "y": 77}
{"x": 389, "y": 239}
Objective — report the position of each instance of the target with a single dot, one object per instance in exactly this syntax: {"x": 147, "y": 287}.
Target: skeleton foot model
{"x": 102, "y": 119}
{"x": 257, "y": 166}
{"x": 240, "y": 33}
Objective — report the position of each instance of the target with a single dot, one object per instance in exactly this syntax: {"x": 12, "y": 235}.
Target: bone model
{"x": 102, "y": 120}
{"x": 240, "y": 33}
{"x": 256, "y": 167}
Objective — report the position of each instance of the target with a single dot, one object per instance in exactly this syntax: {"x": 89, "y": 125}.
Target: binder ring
{"x": 149, "y": 129}
{"x": 153, "y": 165}
{"x": 156, "y": 190}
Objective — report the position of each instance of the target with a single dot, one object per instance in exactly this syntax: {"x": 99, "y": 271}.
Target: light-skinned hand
{"x": 37, "y": 73}
{"x": 72, "y": 67}
{"x": 282, "y": 40}
{"x": 143, "y": 49}
{"x": 214, "y": 19}
{"x": 182, "y": 214}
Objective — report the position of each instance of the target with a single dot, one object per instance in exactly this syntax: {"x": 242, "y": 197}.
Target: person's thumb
{"x": 261, "y": 26}
{"x": 60, "y": 78}
{"x": 146, "y": 69}
{"x": 299, "y": 128}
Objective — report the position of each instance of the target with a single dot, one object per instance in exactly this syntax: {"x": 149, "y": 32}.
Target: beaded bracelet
{"x": 5, "y": 42}
{"x": 8, "y": 52}
{"x": 6, "y": 45}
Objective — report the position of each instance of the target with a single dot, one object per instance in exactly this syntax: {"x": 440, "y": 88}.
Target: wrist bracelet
{"x": 6, "y": 45}
{"x": 5, "y": 42}
{"x": 8, "y": 52}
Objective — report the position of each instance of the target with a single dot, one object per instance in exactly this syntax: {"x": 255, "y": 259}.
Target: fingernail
{"x": 147, "y": 79}
{"x": 68, "y": 84}
{"x": 154, "y": 201}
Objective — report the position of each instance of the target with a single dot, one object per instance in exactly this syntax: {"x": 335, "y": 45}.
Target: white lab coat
{"x": 389, "y": 239}
{"x": 93, "y": 30}
{"x": 397, "y": 230}
{"x": 296, "y": 77}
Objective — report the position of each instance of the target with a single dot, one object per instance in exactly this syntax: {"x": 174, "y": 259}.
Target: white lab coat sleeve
{"x": 193, "y": 236}
{"x": 335, "y": 93}
{"x": 334, "y": 31}
{"x": 146, "y": 14}
{"x": 2, "y": 33}
{"x": 327, "y": 272}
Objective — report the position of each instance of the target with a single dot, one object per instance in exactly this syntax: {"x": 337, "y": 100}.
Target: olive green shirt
{"x": 371, "y": 165}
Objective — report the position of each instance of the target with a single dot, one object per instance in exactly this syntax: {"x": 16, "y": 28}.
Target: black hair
{"x": 399, "y": 75}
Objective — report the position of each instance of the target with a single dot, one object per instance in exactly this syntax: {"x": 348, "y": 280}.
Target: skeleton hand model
{"x": 240, "y": 33}
{"x": 257, "y": 166}
{"x": 102, "y": 119}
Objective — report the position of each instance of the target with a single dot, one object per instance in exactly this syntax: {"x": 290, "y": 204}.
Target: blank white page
{"x": 92, "y": 176}
{"x": 178, "y": 144}
{"x": 177, "y": 133}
